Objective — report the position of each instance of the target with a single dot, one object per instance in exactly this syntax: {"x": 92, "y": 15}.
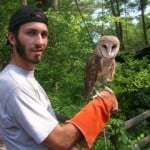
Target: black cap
{"x": 26, "y": 14}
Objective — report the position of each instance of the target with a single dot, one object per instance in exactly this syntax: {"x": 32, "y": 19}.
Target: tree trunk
{"x": 116, "y": 13}
{"x": 142, "y": 6}
{"x": 136, "y": 120}
{"x": 23, "y": 2}
{"x": 50, "y": 3}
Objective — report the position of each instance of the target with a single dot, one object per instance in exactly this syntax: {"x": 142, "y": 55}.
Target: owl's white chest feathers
{"x": 107, "y": 68}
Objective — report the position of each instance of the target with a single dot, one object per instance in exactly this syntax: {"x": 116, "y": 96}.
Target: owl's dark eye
{"x": 114, "y": 46}
{"x": 104, "y": 46}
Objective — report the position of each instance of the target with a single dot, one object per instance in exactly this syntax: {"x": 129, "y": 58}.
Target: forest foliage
{"x": 74, "y": 28}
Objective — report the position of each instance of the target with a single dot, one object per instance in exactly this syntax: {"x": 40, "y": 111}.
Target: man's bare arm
{"x": 63, "y": 137}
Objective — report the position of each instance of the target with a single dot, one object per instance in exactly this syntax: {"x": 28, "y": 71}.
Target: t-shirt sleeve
{"x": 31, "y": 114}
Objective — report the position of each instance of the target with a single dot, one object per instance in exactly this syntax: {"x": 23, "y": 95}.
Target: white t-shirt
{"x": 26, "y": 115}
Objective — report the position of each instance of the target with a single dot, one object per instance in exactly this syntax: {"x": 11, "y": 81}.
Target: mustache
{"x": 38, "y": 46}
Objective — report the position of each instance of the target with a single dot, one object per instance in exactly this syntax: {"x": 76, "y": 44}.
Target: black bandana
{"x": 26, "y": 14}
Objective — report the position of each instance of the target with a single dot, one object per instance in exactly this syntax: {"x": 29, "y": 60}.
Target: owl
{"x": 100, "y": 65}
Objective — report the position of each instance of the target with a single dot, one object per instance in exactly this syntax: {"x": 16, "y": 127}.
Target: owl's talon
{"x": 97, "y": 93}
{"x": 108, "y": 89}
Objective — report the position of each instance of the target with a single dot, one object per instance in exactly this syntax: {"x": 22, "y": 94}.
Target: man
{"x": 27, "y": 119}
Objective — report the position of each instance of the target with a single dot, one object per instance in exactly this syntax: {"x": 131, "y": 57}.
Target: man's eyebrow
{"x": 34, "y": 29}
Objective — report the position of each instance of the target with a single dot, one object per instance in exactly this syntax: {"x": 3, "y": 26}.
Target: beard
{"x": 22, "y": 53}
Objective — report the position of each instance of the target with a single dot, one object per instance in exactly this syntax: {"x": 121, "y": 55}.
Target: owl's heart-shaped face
{"x": 108, "y": 46}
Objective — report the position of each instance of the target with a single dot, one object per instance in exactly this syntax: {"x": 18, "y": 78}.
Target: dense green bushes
{"x": 61, "y": 74}
{"x": 62, "y": 69}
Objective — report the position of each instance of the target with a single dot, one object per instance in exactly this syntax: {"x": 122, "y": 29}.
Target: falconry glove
{"x": 91, "y": 119}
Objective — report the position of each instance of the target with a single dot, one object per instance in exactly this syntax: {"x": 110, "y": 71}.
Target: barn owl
{"x": 100, "y": 66}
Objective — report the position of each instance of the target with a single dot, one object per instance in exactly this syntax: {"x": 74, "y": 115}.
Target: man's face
{"x": 31, "y": 41}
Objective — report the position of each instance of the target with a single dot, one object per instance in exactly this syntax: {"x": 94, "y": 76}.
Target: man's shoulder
{"x": 10, "y": 79}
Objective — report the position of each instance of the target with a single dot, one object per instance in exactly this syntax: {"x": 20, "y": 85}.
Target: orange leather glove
{"x": 91, "y": 119}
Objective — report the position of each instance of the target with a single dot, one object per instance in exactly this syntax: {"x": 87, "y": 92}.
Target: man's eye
{"x": 31, "y": 33}
{"x": 44, "y": 34}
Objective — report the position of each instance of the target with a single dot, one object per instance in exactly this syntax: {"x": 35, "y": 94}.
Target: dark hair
{"x": 26, "y": 14}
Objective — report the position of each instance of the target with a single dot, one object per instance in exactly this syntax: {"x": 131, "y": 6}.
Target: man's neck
{"x": 22, "y": 64}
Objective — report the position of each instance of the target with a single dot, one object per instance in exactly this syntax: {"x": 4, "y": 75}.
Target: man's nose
{"x": 40, "y": 38}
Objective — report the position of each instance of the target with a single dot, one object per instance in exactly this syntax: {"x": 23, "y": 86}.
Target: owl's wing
{"x": 91, "y": 73}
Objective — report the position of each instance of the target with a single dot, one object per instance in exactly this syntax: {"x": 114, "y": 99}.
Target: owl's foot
{"x": 108, "y": 89}
{"x": 97, "y": 92}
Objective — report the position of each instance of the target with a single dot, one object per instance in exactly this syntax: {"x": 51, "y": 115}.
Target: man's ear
{"x": 11, "y": 38}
